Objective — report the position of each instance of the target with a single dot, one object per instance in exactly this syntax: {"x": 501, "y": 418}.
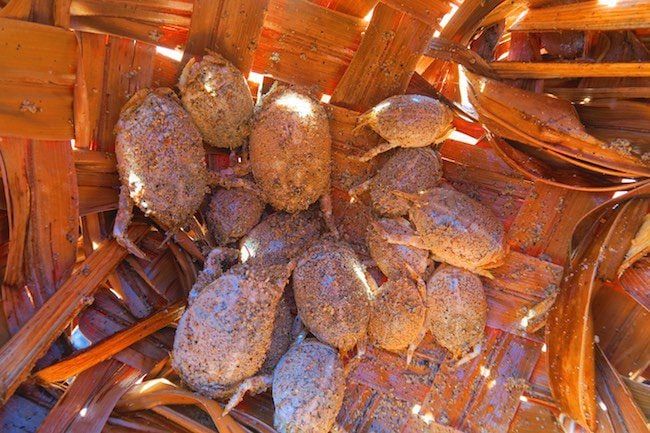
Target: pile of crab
{"x": 286, "y": 305}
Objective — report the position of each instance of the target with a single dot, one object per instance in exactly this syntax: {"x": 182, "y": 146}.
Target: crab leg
{"x": 253, "y": 385}
{"x": 359, "y": 189}
{"x": 400, "y": 239}
{"x": 415, "y": 343}
{"x": 326, "y": 209}
{"x": 122, "y": 219}
{"x": 473, "y": 354}
{"x": 227, "y": 179}
{"x": 379, "y": 149}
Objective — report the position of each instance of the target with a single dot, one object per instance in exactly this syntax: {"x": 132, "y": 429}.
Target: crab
{"x": 216, "y": 95}
{"x": 332, "y": 291}
{"x": 232, "y": 213}
{"x": 224, "y": 336}
{"x": 290, "y": 153}
{"x": 408, "y": 170}
{"x": 308, "y": 388}
{"x": 457, "y": 311}
{"x": 161, "y": 162}
{"x": 455, "y": 228}
{"x": 407, "y": 121}
{"x": 391, "y": 258}
{"x": 280, "y": 237}
{"x": 398, "y": 315}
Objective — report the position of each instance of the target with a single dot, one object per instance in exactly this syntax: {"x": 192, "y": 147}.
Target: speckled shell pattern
{"x": 280, "y": 237}
{"x": 407, "y": 170}
{"x": 290, "y": 149}
{"x": 231, "y": 213}
{"x": 216, "y": 95}
{"x": 398, "y": 315}
{"x": 410, "y": 120}
{"x": 332, "y": 294}
{"x": 391, "y": 258}
{"x": 224, "y": 336}
{"x": 457, "y": 309}
{"x": 459, "y": 230}
{"x": 160, "y": 157}
{"x": 308, "y": 389}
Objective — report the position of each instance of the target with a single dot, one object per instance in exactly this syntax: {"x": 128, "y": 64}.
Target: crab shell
{"x": 459, "y": 230}
{"x": 223, "y": 338}
{"x": 290, "y": 149}
{"x": 308, "y": 389}
{"x": 231, "y": 213}
{"x": 410, "y": 120}
{"x": 332, "y": 292}
{"x": 216, "y": 95}
{"x": 397, "y": 316}
{"x": 280, "y": 237}
{"x": 407, "y": 170}
{"x": 457, "y": 309}
{"x": 391, "y": 258}
{"x": 160, "y": 157}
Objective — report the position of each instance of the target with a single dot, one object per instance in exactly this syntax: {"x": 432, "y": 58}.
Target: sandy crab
{"x": 332, "y": 291}
{"x": 280, "y": 237}
{"x": 160, "y": 160}
{"x": 457, "y": 309}
{"x": 409, "y": 171}
{"x": 290, "y": 152}
{"x": 308, "y": 388}
{"x": 455, "y": 229}
{"x": 224, "y": 336}
{"x": 231, "y": 213}
{"x": 398, "y": 315}
{"x": 407, "y": 121}
{"x": 216, "y": 95}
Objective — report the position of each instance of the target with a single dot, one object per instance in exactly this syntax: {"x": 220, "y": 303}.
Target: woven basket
{"x": 68, "y": 66}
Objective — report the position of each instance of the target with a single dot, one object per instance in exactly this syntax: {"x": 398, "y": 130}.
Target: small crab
{"x": 398, "y": 315}
{"x": 216, "y": 95}
{"x": 224, "y": 336}
{"x": 308, "y": 388}
{"x": 390, "y": 258}
{"x": 407, "y": 121}
{"x": 160, "y": 160}
{"x": 290, "y": 152}
{"x": 231, "y": 213}
{"x": 457, "y": 310}
{"x": 409, "y": 171}
{"x": 281, "y": 237}
{"x": 332, "y": 291}
{"x": 455, "y": 229}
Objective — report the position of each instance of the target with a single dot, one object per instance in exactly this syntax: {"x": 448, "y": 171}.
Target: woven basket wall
{"x": 68, "y": 66}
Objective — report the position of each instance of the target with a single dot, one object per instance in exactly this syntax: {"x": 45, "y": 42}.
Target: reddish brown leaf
{"x": 570, "y": 335}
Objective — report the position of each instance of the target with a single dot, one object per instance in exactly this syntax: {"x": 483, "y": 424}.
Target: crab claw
{"x": 473, "y": 354}
{"x": 122, "y": 220}
{"x": 253, "y": 385}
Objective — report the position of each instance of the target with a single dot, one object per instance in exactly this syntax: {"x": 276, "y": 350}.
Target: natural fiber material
{"x": 551, "y": 169}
